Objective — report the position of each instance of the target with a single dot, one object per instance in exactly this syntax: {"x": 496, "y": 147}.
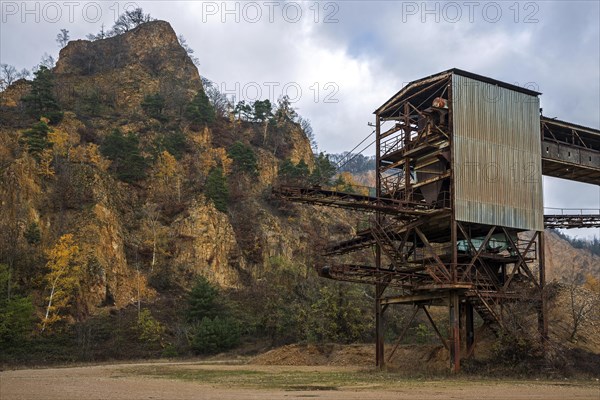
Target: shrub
{"x": 151, "y": 330}
{"x": 16, "y": 312}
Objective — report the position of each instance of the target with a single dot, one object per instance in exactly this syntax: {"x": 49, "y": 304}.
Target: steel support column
{"x": 454, "y": 309}
{"x": 379, "y": 327}
{"x": 469, "y": 327}
{"x": 543, "y": 310}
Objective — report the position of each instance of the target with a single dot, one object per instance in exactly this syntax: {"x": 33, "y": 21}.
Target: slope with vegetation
{"x": 130, "y": 192}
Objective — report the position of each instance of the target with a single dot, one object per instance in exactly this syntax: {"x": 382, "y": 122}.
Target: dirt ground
{"x": 138, "y": 381}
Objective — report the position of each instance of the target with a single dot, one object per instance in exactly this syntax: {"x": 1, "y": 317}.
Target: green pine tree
{"x": 199, "y": 111}
{"x": 244, "y": 158}
{"x": 216, "y": 189}
{"x": 324, "y": 170}
{"x": 40, "y": 102}
{"x": 124, "y": 152}
{"x": 153, "y": 105}
{"x": 36, "y": 138}
{"x": 202, "y": 301}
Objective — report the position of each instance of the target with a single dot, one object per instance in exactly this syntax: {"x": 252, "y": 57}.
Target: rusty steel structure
{"x": 457, "y": 219}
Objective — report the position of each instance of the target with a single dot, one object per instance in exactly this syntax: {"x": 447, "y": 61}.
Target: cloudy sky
{"x": 339, "y": 60}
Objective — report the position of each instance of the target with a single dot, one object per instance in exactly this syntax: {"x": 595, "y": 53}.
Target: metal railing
{"x": 571, "y": 211}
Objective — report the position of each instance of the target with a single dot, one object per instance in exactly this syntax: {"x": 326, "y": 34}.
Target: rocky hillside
{"x": 190, "y": 198}
{"x": 564, "y": 263}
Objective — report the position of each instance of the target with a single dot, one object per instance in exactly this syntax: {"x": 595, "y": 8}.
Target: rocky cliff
{"x": 139, "y": 238}
{"x": 118, "y": 71}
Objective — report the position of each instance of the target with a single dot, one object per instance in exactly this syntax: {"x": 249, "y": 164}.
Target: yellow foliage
{"x": 211, "y": 158}
{"x": 345, "y": 182}
{"x": 166, "y": 178}
{"x": 62, "y": 279}
{"x": 166, "y": 166}
{"x": 592, "y": 283}
{"x": 60, "y": 141}
{"x": 89, "y": 154}
{"x": 45, "y": 166}
{"x": 223, "y": 159}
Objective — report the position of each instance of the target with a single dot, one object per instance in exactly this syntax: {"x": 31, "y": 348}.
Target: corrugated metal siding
{"x": 497, "y": 155}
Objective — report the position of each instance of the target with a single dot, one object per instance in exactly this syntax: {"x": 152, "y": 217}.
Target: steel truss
{"x": 423, "y": 255}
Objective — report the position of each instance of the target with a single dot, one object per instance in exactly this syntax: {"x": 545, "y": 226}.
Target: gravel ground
{"x": 114, "y": 382}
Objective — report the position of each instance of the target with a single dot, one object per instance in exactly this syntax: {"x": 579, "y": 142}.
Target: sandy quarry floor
{"x": 132, "y": 382}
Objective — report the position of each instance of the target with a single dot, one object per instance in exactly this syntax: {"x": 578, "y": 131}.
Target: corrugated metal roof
{"x": 444, "y": 74}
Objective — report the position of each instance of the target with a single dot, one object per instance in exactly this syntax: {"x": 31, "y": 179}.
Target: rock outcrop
{"x": 119, "y": 71}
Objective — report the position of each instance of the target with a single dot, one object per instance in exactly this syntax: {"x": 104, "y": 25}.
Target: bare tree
{"x": 8, "y": 74}
{"x": 24, "y": 74}
{"x": 100, "y": 35}
{"x": 47, "y": 61}
{"x": 218, "y": 100}
{"x": 189, "y": 51}
{"x": 308, "y": 131}
{"x": 129, "y": 20}
{"x": 152, "y": 214}
{"x": 581, "y": 301}
{"x": 62, "y": 38}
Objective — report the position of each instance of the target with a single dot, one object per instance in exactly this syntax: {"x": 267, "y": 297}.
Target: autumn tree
{"x": 166, "y": 178}
{"x": 156, "y": 231}
{"x": 345, "y": 182}
{"x": 62, "y": 279}
{"x": 211, "y": 158}
{"x": 89, "y": 154}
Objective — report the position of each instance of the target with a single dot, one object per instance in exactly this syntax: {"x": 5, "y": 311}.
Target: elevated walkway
{"x": 570, "y": 151}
